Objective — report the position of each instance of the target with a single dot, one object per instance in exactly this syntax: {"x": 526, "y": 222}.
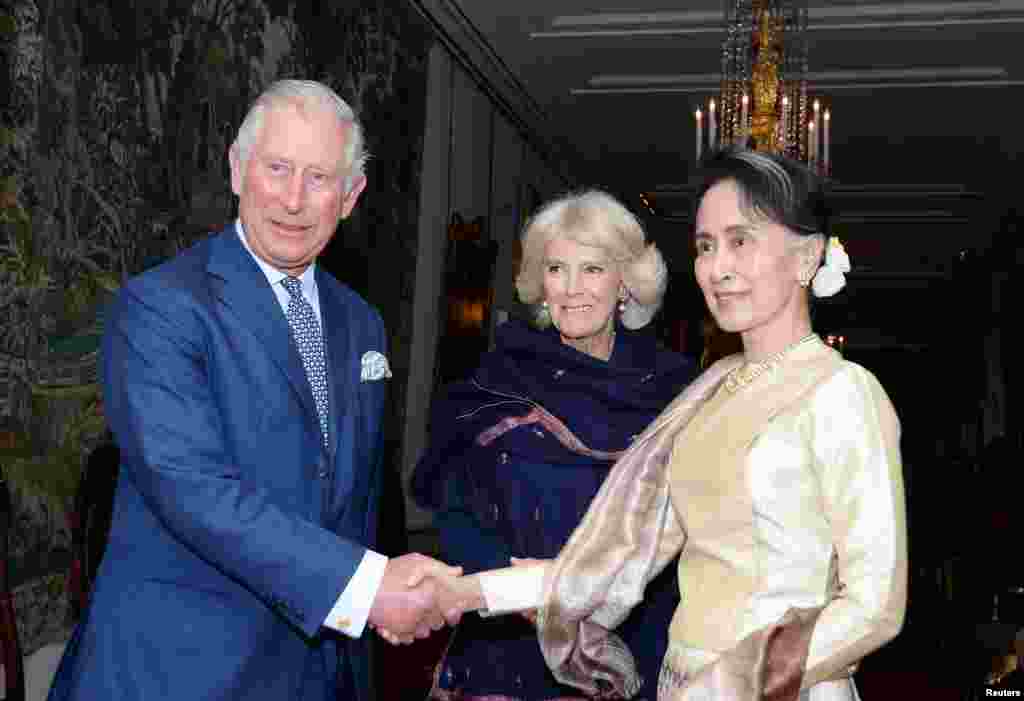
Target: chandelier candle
{"x": 700, "y": 133}
{"x": 762, "y": 102}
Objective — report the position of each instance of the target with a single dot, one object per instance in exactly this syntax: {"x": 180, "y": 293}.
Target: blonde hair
{"x": 595, "y": 218}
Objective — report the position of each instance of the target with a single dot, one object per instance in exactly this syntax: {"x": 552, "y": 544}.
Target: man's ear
{"x": 237, "y": 170}
{"x": 350, "y": 198}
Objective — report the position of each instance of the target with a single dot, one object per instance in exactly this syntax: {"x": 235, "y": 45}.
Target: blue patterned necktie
{"x": 306, "y": 332}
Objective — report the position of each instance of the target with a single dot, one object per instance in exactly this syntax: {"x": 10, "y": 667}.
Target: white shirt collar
{"x": 275, "y": 276}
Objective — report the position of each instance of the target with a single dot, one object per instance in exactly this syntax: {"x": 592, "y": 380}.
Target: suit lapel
{"x": 240, "y": 284}
{"x": 336, "y": 329}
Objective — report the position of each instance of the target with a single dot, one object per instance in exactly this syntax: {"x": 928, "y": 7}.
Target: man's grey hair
{"x": 305, "y": 93}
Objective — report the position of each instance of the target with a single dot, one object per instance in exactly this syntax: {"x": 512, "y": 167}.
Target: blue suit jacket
{"x": 234, "y": 530}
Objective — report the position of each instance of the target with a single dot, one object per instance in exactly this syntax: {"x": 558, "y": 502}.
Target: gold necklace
{"x": 748, "y": 372}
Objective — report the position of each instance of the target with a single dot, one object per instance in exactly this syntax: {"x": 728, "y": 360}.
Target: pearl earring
{"x": 544, "y": 304}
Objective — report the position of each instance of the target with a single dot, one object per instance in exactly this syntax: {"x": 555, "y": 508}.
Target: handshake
{"x": 419, "y": 595}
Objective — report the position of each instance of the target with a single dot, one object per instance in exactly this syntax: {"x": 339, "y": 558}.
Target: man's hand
{"x": 455, "y": 596}
{"x": 407, "y": 605}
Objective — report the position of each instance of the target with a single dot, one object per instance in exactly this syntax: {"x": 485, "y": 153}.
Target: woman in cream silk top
{"x": 776, "y": 477}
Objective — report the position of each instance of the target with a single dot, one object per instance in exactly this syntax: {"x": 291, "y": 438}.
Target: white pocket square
{"x": 375, "y": 367}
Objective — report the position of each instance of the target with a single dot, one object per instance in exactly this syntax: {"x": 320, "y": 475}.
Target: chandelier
{"x": 763, "y": 103}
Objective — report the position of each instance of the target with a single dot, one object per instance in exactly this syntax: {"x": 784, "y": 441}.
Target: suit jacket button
{"x": 323, "y": 474}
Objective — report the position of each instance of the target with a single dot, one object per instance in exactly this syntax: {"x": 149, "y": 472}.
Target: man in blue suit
{"x": 245, "y": 389}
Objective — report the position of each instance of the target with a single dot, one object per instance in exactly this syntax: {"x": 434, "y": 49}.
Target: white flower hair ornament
{"x": 831, "y": 277}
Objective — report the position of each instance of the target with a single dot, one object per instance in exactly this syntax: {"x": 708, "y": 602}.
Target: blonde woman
{"x": 520, "y": 447}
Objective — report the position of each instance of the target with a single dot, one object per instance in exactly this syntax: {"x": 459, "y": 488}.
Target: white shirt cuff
{"x": 512, "y": 589}
{"x": 353, "y": 606}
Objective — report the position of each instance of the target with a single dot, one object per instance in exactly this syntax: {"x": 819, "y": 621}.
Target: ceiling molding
{"x": 827, "y": 26}
{"x": 877, "y": 74}
{"x": 827, "y": 18}
{"x": 918, "y": 84}
{"x": 689, "y": 17}
{"x": 696, "y": 90}
{"x": 650, "y": 31}
{"x": 606, "y": 19}
{"x": 869, "y": 79}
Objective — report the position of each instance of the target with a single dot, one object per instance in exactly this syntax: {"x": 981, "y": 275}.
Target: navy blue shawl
{"x": 605, "y": 404}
